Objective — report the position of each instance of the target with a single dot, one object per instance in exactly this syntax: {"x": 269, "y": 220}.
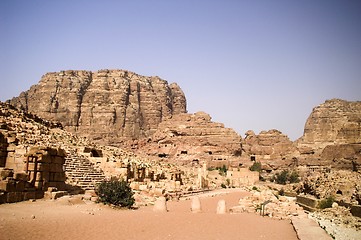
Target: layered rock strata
{"x": 334, "y": 122}
{"x": 107, "y": 106}
{"x": 193, "y": 138}
{"x": 332, "y": 135}
{"x": 272, "y": 148}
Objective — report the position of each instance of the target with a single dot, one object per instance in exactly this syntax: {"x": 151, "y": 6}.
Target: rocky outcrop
{"x": 332, "y": 135}
{"x": 193, "y": 138}
{"x": 272, "y": 144}
{"x": 334, "y": 122}
{"x": 108, "y": 106}
{"x": 272, "y": 148}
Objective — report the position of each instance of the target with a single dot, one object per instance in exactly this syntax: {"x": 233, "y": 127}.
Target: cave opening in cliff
{"x": 96, "y": 153}
{"x": 184, "y": 152}
{"x": 253, "y": 158}
{"x": 162, "y": 155}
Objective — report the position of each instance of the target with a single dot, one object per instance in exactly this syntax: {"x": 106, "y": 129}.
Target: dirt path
{"x": 59, "y": 220}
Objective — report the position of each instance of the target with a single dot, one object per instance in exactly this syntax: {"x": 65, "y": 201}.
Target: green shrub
{"x": 293, "y": 177}
{"x": 223, "y": 185}
{"x": 256, "y": 167}
{"x": 326, "y": 203}
{"x": 285, "y": 176}
{"x": 222, "y": 170}
{"x": 281, "y": 178}
{"x": 116, "y": 192}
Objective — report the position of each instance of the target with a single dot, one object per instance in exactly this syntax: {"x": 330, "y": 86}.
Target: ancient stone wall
{"x": 107, "y": 106}
{"x": 41, "y": 168}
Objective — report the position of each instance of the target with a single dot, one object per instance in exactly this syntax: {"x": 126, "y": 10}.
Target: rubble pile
{"x": 268, "y": 203}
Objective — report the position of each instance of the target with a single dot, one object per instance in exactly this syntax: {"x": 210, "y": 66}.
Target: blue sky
{"x": 250, "y": 64}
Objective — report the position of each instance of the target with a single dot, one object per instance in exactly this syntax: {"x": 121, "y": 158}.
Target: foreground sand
{"x": 59, "y": 220}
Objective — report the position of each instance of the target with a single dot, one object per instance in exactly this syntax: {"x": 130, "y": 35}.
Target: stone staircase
{"x": 80, "y": 171}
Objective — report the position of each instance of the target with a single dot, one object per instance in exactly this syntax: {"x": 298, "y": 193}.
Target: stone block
{"x": 5, "y": 173}
{"x": 8, "y": 186}
{"x": 221, "y": 207}
{"x": 58, "y": 160}
{"x": 3, "y": 197}
{"x": 29, "y": 195}
{"x": 196, "y": 205}
{"x": 39, "y": 176}
{"x": 13, "y": 197}
{"x": 21, "y": 176}
{"x": 160, "y": 205}
{"x": 39, "y": 194}
{"x": 61, "y": 153}
{"x": 56, "y": 168}
{"x": 59, "y": 177}
{"x": 20, "y": 186}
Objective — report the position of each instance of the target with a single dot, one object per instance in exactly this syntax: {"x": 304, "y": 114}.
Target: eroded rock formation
{"x": 332, "y": 135}
{"x": 194, "y": 138}
{"x": 272, "y": 148}
{"x": 107, "y": 106}
{"x": 334, "y": 122}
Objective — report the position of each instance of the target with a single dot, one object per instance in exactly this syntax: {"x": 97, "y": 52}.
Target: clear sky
{"x": 250, "y": 64}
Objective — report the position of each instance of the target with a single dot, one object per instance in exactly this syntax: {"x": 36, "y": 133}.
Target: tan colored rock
{"x": 196, "y": 206}
{"x": 160, "y": 205}
{"x": 221, "y": 207}
{"x": 108, "y": 106}
{"x": 193, "y": 139}
{"x": 335, "y": 121}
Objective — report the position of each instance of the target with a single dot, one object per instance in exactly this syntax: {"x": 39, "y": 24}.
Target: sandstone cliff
{"x": 334, "y": 122}
{"x": 272, "y": 148}
{"x": 107, "y": 106}
{"x": 194, "y": 138}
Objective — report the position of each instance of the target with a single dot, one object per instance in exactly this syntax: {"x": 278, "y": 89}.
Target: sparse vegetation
{"x": 223, "y": 185}
{"x": 115, "y": 192}
{"x": 286, "y": 177}
{"x": 256, "y": 167}
{"x": 222, "y": 170}
{"x": 326, "y": 203}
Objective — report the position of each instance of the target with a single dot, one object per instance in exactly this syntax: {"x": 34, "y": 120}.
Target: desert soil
{"x": 59, "y": 219}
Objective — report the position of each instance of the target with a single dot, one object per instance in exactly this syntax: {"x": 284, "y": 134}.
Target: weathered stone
{"x": 160, "y": 205}
{"x": 193, "y": 139}
{"x": 335, "y": 122}
{"x": 196, "y": 206}
{"x": 221, "y": 207}
{"x": 108, "y": 106}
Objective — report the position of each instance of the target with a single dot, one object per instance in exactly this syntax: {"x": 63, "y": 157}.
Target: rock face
{"x": 108, "y": 106}
{"x": 332, "y": 135}
{"x": 334, "y": 122}
{"x": 193, "y": 138}
{"x": 270, "y": 144}
{"x": 272, "y": 148}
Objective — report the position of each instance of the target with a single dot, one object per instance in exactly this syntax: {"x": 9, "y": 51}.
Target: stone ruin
{"x": 28, "y": 177}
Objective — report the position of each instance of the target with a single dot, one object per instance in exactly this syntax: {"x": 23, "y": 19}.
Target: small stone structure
{"x": 239, "y": 177}
{"x": 32, "y": 175}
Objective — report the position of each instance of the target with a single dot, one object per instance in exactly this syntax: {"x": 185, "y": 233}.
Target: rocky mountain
{"x": 332, "y": 135}
{"x": 193, "y": 138}
{"x": 334, "y": 122}
{"x": 107, "y": 106}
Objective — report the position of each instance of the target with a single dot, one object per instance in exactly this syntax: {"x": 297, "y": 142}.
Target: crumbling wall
{"x": 35, "y": 172}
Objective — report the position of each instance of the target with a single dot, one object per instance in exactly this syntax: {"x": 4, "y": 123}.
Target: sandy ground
{"x": 59, "y": 220}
